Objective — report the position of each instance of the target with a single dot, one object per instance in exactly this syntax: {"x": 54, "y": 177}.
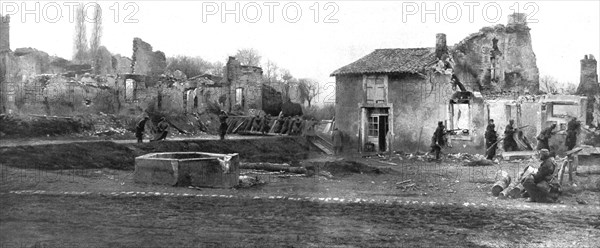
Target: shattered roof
{"x": 397, "y": 60}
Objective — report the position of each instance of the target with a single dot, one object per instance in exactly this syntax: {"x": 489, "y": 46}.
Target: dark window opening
{"x": 159, "y": 100}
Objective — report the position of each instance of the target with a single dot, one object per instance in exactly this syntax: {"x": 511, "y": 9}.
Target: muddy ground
{"x": 54, "y": 201}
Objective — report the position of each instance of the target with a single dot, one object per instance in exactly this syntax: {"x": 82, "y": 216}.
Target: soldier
{"x": 490, "y": 140}
{"x": 140, "y": 128}
{"x": 544, "y": 137}
{"x": 223, "y": 127}
{"x": 509, "y": 141}
{"x": 571, "y": 139}
{"x": 336, "y": 137}
{"x": 162, "y": 128}
{"x": 437, "y": 141}
{"x": 539, "y": 185}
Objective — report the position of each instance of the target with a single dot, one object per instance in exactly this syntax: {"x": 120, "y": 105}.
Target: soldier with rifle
{"x": 514, "y": 130}
{"x": 437, "y": 141}
{"x": 491, "y": 138}
{"x": 509, "y": 141}
{"x": 545, "y": 136}
{"x": 571, "y": 140}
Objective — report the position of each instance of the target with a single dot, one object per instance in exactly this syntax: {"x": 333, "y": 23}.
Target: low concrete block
{"x": 188, "y": 169}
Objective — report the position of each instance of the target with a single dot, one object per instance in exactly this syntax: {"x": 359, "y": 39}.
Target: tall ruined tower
{"x": 4, "y": 33}
{"x": 588, "y": 84}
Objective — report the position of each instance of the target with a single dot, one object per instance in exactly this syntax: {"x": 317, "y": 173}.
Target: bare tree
{"x": 80, "y": 53}
{"x": 190, "y": 66}
{"x": 217, "y": 68}
{"x": 270, "y": 69}
{"x": 549, "y": 84}
{"x": 248, "y": 56}
{"x": 568, "y": 88}
{"x": 308, "y": 89}
{"x": 96, "y": 37}
{"x": 288, "y": 79}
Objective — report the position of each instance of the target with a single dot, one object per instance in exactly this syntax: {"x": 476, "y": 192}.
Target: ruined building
{"x": 491, "y": 74}
{"x": 35, "y": 83}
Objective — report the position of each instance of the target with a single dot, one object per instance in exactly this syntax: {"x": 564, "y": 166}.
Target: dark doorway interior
{"x": 383, "y": 129}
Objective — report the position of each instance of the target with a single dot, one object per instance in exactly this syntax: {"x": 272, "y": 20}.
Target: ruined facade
{"x": 498, "y": 58}
{"x": 247, "y": 91}
{"x": 491, "y": 74}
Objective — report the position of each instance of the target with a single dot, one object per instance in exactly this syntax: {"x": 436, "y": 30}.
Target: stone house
{"x": 408, "y": 90}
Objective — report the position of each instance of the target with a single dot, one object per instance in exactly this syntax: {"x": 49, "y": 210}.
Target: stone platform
{"x": 188, "y": 169}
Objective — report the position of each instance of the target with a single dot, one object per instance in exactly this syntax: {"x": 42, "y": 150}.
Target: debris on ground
{"x": 344, "y": 168}
{"x": 273, "y": 167}
{"x": 248, "y": 181}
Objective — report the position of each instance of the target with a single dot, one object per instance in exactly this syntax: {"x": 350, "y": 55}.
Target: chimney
{"x": 440, "y": 45}
{"x": 517, "y": 19}
{"x": 588, "y": 83}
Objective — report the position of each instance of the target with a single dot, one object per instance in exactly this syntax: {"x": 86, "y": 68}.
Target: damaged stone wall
{"x": 121, "y": 64}
{"x": 245, "y": 86}
{"x": 145, "y": 61}
{"x": 348, "y": 96}
{"x": 59, "y": 95}
{"x": 419, "y": 103}
{"x": 498, "y": 58}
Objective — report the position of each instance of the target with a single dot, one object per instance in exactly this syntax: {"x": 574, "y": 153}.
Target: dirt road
{"x": 100, "y": 221}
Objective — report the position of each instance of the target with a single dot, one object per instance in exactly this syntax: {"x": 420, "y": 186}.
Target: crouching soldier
{"x": 541, "y": 186}
{"x": 162, "y": 129}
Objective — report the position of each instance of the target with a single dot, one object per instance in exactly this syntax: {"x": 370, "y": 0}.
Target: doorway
{"x": 377, "y": 127}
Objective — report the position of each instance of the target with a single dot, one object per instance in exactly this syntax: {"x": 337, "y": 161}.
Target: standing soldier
{"x": 223, "y": 127}
{"x": 140, "y": 128}
{"x": 336, "y": 136}
{"x": 544, "y": 137}
{"x": 509, "y": 141}
{"x": 572, "y": 128}
{"x": 490, "y": 140}
{"x": 437, "y": 141}
{"x": 162, "y": 127}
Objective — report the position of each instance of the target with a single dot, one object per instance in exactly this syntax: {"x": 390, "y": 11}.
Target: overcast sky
{"x": 312, "y": 44}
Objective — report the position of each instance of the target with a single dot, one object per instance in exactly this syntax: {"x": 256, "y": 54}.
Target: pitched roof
{"x": 396, "y": 60}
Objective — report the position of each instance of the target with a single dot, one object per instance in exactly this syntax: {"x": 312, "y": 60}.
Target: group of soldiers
{"x": 161, "y": 128}
{"x": 512, "y": 137}
{"x": 541, "y": 185}
{"x": 510, "y": 132}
